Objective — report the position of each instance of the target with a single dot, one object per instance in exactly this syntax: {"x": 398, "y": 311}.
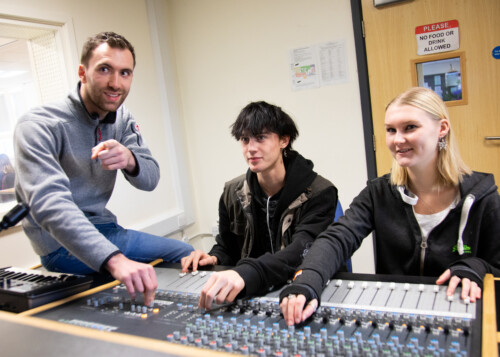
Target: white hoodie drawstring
{"x": 469, "y": 200}
{"x": 411, "y": 200}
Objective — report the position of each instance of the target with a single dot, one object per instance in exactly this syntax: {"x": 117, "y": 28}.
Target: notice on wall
{"x": 318, "y": 65}
{"x": 437, "y": 37}
{"x": 496, "y": 52}
{"x": 304, "y": 68}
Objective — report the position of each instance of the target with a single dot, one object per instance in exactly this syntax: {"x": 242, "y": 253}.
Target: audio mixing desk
{"x": 359, "y": 316}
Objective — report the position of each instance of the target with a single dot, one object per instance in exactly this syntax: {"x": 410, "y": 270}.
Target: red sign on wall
{"x": 437, "y": 37}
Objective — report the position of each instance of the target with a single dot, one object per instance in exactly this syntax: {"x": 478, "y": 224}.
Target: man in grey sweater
{"x": 67, "y": 157}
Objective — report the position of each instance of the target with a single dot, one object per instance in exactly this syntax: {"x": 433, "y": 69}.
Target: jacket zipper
{"x": 423, "y": 247}
{"x": 97, "y": 137}
{"x": 268, "y": 225}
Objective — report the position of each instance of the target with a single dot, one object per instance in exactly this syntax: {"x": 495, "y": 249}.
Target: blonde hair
{"x": 451, "y": 168}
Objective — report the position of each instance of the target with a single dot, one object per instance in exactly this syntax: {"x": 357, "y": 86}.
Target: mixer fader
{"x": 356, "y": 318}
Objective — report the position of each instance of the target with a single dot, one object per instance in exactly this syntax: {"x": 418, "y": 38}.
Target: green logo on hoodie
{"x": 467, "y": 249}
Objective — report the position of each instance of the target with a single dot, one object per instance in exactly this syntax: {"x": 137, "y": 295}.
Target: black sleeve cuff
{"x": 472, "y": 268}
{"x": 305, "y": 282}
{"x": 103, "y": 269}
{"x": 251, "y": 277}
{"x": 299, "y": 289}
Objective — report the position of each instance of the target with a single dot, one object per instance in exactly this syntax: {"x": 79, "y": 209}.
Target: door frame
{"x": 365, "y": 98}
{"x": 364, "y": 88}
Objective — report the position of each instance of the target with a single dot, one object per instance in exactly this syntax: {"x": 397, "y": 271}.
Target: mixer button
{"x": 244, "y": 350}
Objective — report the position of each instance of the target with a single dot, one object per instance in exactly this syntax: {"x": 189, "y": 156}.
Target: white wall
{"x": 222, "y": 54}
{"x": 231, "y": 52}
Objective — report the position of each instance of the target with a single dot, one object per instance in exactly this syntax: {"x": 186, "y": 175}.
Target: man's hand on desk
{"x": 137, "y": 277}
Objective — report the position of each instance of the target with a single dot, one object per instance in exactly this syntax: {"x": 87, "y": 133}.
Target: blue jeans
{"x": 138, "y": 246}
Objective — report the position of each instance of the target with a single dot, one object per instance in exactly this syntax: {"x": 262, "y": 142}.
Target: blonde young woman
{"x": 432, "y": 215}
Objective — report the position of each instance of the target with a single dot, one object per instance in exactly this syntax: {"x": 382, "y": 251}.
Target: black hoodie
{"x": 299, "y": 176}
{"x": 474, "y": 225}
{"x": 305, "y": 207}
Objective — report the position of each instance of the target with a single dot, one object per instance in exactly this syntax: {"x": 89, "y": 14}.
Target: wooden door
{"x": 391, "y": 48}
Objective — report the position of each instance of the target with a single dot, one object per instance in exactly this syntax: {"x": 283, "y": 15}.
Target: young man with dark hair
{"x": 268, "y": 217}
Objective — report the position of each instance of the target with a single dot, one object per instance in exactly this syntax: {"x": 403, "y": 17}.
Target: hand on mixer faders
{"x": 221, "y": 287}
{"x": 178, "y": 300}
{"x": 471, "y": 291}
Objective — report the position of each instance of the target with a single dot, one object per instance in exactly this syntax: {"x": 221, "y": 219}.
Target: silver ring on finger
{"x": 314, "y": 305}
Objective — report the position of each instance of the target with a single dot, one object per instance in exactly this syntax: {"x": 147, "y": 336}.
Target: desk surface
{"x": 29, "y": 336}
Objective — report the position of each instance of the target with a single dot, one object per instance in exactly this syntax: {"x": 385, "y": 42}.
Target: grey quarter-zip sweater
{"x": 66, "y": 191}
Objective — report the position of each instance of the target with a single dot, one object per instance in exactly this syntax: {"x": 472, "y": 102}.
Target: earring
{"x": 285, "y": 152}
{"x": 442, "y": 144}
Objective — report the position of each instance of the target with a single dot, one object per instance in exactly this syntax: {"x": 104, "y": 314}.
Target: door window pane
{"x": 31, "y": 73}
